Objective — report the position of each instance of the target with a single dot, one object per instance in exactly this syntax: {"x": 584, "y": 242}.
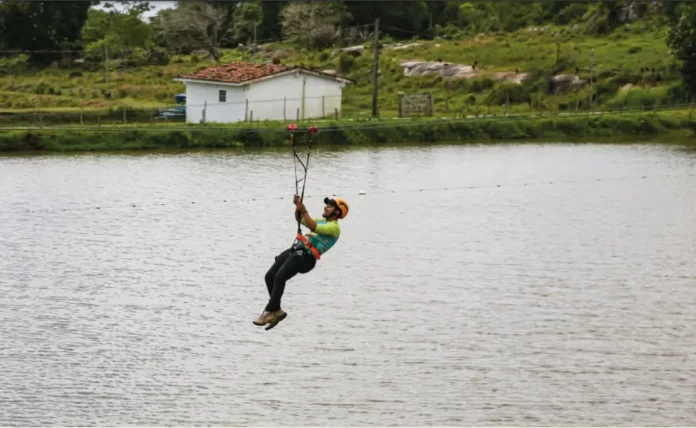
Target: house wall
{"x": 276, "y": 98}
{"x": 206, "y": 95}
{"x": 281, "y": 98}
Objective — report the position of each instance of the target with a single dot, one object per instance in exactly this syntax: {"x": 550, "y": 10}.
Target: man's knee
{"x": 307, "y": 265}
{"x": 270, "y": 275}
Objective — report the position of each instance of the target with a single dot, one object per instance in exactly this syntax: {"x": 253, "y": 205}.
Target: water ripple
{"x": 568, "y": 304}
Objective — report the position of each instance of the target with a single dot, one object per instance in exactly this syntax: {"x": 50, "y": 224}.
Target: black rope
{"x": 305, "y": 165}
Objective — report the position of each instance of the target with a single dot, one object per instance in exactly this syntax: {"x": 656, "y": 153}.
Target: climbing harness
{"x": 311, "y": 131}
{"x": 308, "y": 245}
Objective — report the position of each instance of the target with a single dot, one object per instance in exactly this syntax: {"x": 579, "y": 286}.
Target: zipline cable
{"x": 361, "y": 193}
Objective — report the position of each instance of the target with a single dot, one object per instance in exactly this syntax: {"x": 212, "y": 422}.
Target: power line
{"x": 361, "y": 193}
{"x": 221, "y": 48}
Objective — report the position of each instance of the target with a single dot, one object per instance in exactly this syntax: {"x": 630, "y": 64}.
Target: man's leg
{"x": 280, "y": 260}
{"x": 270, "y": 275}
{"x": 287, "y": 270}
{"x": 293, "y": 263}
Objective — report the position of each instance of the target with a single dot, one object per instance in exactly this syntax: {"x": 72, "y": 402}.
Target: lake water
{"x": 550, "y": 284}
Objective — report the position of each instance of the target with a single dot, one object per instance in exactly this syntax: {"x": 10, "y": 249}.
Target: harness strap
{"x": 309, "y": 245}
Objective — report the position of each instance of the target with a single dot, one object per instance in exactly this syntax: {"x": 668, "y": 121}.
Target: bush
{"x": 641, "y": 98}
{"x": 16, "y": 63}
{"x": 322, "y": 37}
{"x": 508, "y": 92}
{"x": 571, "y": 13}
{"x": 481, "y": 84}
{"x": 345, "y": 63}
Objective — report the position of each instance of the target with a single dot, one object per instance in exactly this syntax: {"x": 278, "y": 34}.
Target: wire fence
{"x": 294, "y": 109}
{"x": 280, "y": 109}
{"x": 346, "y": 125}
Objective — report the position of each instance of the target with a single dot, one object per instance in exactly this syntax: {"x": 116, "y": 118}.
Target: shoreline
{"x": 580, "y": 128}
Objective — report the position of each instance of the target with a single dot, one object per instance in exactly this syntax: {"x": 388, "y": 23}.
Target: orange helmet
{"x": 339, "y": 203}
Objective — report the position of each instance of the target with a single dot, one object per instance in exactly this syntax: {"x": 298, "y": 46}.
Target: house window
{"x": 223, "y": 96}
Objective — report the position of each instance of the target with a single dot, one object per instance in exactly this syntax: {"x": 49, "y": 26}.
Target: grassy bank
{"x": 631, "y": 67}
{"x": 351, "y": 133}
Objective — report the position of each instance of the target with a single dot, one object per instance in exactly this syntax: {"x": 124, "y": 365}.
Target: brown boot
{"x": 264, "y": 318}
{"x": 278, "y": 316}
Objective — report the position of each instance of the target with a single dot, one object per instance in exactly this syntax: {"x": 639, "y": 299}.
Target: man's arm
{"x": 308, "y": 221}
{"x": 303, "y": 216}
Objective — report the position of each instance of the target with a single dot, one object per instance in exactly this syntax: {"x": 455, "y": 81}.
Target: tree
{"x": 682, "y": 42}
{"x": 247, "y": 16}
{"x": 119, "y": 30}
{"x": 403, "y": 19}
{"x": 442, "y": 12}
{"x": 672, "y": 10}
{"x": 271, "y": 27}
{"x": 197, "y": 25}
{"x": 315, "y": 24}
{"x": 42, "y": 27}
{"x": 128, "y": 7}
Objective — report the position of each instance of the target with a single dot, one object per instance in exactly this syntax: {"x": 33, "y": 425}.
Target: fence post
{"x": 205, "y": 110}
{"x": 285, "y": 102}
{"x": 246, "y": 109}
{"x": 251, "y": 115}
{"x": 124, "y": 114}
{"x": 323, "y": 113}
{"x": 298, "y": 114}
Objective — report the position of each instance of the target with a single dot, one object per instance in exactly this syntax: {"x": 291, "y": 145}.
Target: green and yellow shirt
{"x": 325, "y": 235}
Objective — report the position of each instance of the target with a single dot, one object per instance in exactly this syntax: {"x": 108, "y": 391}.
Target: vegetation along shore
{"x": 104, "y": 78}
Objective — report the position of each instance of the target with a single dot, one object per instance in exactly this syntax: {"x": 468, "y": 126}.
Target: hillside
{"x": 544, "y": 68}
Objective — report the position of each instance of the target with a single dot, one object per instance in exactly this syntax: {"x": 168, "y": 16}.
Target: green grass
{"x": 183, "y": 136}
{"x": 618, "y": 60}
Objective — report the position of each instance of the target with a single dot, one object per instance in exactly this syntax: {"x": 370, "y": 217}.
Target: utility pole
{"x": 591, "y": 76}
{"x": 106, "y": 68}
{"x": 253, "y": 49}
{"x": 375, "y": 70}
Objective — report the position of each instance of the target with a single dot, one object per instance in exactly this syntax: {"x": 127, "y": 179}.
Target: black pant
{"x": 287, "y": 264}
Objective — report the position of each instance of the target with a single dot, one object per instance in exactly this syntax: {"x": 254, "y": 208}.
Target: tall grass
{"x": 340, "y": 133}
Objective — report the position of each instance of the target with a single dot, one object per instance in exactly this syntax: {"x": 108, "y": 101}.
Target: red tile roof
{"x": 240, "y": 72}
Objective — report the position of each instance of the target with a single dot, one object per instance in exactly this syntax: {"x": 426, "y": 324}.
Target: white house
{"x": 244, "y": 91}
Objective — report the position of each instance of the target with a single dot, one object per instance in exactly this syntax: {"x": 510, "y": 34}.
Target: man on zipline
{"x": 303, "y": 255}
